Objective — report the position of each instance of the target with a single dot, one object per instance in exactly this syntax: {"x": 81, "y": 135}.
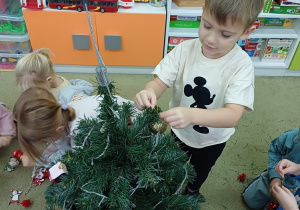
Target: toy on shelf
{"x": 34, "y": 4}
{"x": 158, "y": 3}
{"x": 93, "y": 5}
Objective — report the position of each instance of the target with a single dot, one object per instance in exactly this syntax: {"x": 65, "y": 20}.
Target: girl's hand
{"x": 27, "y": 161}
{"x": 287, "y": 167}
{"x": 145, "y": 98}
{"x": 274, "y": 182}
{"x": 178, "y": 117}
{"x": 5, "y": 141}
{"x": 285, "y": 198}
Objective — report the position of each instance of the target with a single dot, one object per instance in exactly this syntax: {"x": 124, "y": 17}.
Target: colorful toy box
{"x": 276, "y": 50}
{"x": 253, "y": 46}
{"x": 174, "y": 41}
{"x": 278, "y": 9}
{"x": 15, "y": 44}
{"x": 276, "y": 22}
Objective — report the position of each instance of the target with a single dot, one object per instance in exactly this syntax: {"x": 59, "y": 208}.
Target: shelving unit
{"x": 261, "y": 68}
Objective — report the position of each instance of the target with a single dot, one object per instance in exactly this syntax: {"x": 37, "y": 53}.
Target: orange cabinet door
{"x": 53, "y": 29}
{"x": 142, "y": 38}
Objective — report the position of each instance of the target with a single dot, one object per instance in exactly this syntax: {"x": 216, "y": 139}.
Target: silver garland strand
{"x": 101, "y": 70}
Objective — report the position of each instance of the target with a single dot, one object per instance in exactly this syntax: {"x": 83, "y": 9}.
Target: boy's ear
{"x": 247, "y": 32}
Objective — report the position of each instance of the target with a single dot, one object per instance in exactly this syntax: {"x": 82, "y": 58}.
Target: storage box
{"x": 189, "y": 3}
{"x": 276, "y": 50}
{"x": 9, "y": 61}
{"x": 12, "y": 25}
{"x": 15, "y": 44}
{"x": 12, "y": 8}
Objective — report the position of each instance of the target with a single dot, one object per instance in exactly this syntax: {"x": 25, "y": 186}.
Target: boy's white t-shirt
{"x": 229, "y": 79}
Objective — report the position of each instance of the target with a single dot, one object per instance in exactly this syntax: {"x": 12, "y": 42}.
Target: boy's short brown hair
{"x": 241, "y": 11}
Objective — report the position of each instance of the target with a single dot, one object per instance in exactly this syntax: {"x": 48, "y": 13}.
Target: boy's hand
{"x": 287, "y": 167}
{"x": 145, "y": 98}
{"x": 285, "y": 198}
{"x": 5, "y": 141}
{"x": 178, "y": 117}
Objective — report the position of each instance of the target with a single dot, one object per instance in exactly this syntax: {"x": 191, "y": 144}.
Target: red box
{"x": 177, "y": 40}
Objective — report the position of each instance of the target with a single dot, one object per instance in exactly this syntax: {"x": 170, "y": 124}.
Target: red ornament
{"x": 26, "y": 203}
{"x": 272, "y": 206}
{"x": 17, "y": 153}
{"x": 242, "y": 177}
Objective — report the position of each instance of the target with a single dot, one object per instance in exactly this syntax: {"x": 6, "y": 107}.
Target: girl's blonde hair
{"x": 38, "y": 116}
{"x": 33, "y": 69}
{"x": 241, "y": 11}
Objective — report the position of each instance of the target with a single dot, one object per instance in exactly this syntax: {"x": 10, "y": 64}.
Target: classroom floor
{"x": 277, "y": 109}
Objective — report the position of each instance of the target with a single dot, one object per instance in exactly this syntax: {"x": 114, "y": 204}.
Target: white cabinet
{"x": 261, "y": 68}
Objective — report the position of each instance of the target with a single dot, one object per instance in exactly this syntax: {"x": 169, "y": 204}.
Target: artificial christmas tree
{"x": 118, "y": 163}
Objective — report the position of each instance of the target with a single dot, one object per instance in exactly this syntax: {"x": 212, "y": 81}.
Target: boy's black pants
{"x": 203, "y": 159}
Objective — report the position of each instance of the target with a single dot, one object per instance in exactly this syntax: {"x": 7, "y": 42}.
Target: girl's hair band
{"x": 37, "y": 51}
{"x": 64, "y": 107}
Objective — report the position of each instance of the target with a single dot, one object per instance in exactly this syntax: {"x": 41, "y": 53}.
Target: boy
{"x": 283, "y": 160}
{"x": 213, "y": 84}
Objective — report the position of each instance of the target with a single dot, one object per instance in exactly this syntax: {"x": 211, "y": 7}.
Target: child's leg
{"x": 203, "y": 160}
{"x": 257, "y": 194}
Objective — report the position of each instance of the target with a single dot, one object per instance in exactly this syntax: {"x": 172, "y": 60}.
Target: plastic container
{"x": 12, "y": 8}
{"x": 9, "y": 61}
{"x": 12, "y": 25}
{"x": 15, "y": 44}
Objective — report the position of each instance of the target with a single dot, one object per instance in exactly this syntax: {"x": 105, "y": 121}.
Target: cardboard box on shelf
{"x": 276, "y": 50}
{"x": 189, "y": 3}
{"x": 276, "y": 8}
{"x": 184, "y": 24}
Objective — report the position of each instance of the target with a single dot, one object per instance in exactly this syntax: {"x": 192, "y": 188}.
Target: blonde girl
{"x": 36, "y": 69}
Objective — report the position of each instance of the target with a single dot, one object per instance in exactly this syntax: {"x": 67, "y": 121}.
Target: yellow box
{"x": 189, "y": 3}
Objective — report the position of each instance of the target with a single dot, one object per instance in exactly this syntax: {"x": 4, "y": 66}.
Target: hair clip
{"x": 37, "y": 51}
{"x": 64, "y": 107}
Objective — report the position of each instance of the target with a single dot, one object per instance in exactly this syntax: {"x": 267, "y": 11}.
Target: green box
{"x": 291, "y": 10}
{"x": 184, "y": 24}
{"x": 267, "y": 6}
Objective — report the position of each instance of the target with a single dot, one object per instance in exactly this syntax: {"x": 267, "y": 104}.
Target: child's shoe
{"x": 195, "y": 194}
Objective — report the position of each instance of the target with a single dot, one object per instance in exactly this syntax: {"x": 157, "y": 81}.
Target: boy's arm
{"x": 152, "y": 91}
{"x": 226, "y": 117}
